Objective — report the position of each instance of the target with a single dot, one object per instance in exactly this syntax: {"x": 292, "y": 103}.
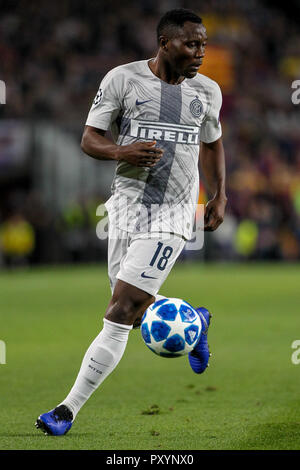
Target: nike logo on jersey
{"x": 138, "y": 103}
{"x": 147, "y": 277}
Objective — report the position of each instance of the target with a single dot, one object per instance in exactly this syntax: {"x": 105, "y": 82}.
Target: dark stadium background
{"x": 53, "y": 56}
{"x": 54, "y": 288}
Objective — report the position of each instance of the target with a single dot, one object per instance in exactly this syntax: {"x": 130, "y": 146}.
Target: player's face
{"x": 186, "y": 52}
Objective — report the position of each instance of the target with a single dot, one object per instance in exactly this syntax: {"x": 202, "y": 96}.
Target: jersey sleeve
{"x": 211, "y": 129}
{"x": 108, "y": 101}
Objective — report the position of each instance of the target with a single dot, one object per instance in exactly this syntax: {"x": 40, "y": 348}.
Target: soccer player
{"x": 161, "y": 113}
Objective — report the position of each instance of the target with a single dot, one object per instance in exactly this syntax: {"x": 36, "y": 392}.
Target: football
{"x": 171, "y": 327}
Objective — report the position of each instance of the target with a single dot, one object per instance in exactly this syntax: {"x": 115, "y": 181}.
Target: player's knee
{"x": 126, "y": 310}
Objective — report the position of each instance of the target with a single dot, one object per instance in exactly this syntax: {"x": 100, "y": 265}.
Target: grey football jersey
{"x": 136, "y": 105}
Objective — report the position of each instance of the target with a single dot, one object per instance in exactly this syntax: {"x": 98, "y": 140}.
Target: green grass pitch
{"x": 247, "y": 399}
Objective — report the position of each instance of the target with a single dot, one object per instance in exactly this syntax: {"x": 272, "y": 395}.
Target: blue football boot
{"x": 199, "y": 357}
{"x": 56, "y": 422}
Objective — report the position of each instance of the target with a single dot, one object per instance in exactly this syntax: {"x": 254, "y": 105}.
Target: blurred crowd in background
{"x": 53, "y": 56}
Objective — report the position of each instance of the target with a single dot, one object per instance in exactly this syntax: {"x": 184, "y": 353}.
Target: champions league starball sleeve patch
{"x": 98, "y": 97}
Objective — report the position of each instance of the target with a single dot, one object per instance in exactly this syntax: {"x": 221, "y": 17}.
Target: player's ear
{"x": 163, "y": 42}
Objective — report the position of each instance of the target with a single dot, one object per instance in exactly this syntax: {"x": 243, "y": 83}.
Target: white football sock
{"x": 99, "y": 361}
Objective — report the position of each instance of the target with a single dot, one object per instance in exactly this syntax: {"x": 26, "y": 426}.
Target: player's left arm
{"x": 212, "y": 161}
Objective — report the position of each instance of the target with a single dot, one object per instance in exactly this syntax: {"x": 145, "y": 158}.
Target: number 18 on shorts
{"x": 148, "y": 259}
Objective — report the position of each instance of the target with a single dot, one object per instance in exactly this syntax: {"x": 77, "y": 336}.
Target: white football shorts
{"x": 142, "y": 259}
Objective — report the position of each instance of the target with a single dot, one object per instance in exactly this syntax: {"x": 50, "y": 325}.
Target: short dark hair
{"x": 174, "y": 19}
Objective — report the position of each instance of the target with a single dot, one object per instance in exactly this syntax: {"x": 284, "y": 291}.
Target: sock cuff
{"x": 119, "y": 325}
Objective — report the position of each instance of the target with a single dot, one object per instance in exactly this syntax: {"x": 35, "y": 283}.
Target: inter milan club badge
{"x": 196, "y": 107}
{"x": 98, "y": 97}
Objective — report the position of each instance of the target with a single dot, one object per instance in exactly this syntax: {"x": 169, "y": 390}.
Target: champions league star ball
{"x": 171, "y": 327}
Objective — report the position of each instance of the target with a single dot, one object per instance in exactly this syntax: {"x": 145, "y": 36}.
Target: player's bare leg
{"x": 127, "y": 304}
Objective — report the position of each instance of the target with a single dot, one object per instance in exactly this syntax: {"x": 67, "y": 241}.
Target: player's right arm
{"x": 108, "y": 105}
{"x": 96, "y": 145}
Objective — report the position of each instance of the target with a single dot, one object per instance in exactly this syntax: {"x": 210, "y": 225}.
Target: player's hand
{"x": 214, "y": 213}
{"x": 140, "y": 153}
